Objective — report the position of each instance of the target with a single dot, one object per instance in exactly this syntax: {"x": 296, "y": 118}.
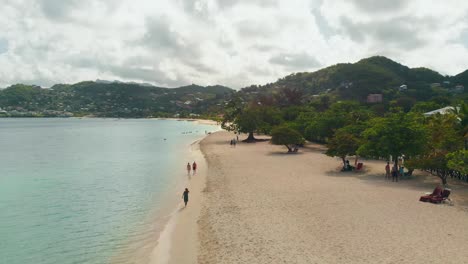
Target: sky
{"x": 172, "y": 43}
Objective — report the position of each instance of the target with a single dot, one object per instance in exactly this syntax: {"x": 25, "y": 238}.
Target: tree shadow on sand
{"x": 284, "y": 153}
{"x": 419, "y": 181}
{"x": 255, "y": 140}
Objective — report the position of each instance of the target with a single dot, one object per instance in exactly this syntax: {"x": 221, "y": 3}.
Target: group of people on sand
{"x": 233, "y": 142}
{"x": 347, "y": 166}
{"x": 190, "y": 168}
{"x": 394, "y": 171}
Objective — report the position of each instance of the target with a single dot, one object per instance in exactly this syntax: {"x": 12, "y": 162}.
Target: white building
{"x": 442, "y": 111}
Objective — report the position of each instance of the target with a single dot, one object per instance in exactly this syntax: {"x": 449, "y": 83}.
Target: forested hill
{"x": 111, "y": 99}
{"x": 399, "y": 86}
{"x": 461, "y": 78}
{"x": 374, "y": 75}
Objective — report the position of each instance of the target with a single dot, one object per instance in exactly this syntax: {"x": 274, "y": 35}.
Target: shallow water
{"x": 87, "y": 190}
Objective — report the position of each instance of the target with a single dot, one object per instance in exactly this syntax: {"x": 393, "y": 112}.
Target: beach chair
{"x": 436, "y": 193}
{"x": 439, "y": 199}
{"x": 359, "y": 166}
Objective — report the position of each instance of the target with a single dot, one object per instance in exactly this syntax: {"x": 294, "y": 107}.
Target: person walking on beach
{"x": 185, "y": 196}
{"x": 189, "y": 168}
{"x": 387, "y": 171}
{"x": 194, "y": 167}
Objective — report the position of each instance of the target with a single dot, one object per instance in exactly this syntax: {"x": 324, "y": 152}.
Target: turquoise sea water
{"x": 88, "y": 190}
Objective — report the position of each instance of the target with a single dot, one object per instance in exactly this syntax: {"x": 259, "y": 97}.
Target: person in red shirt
{"x": 194, "y": 167}
{"x": 387, "y": 171}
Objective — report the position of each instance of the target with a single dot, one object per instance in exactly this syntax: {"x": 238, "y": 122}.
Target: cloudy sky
{"x": 234, "y": 43}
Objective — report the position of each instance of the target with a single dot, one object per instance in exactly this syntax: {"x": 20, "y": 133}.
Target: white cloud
{"x": 235, "y": 43}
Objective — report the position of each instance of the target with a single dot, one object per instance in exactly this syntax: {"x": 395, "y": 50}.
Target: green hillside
{"x": 374, "y": 75}
{"x": 461, "y": 78}
{"x": 112, "y": 99}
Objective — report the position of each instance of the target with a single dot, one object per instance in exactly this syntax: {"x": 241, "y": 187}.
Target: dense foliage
{"x": 394, "y": 135}
{"x": 458, "y": 161}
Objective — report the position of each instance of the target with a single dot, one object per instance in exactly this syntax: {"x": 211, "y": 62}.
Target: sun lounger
{"x": 359, "y": 166}
{"x": 436, "y": 193}
{"x": 444, "y": 196}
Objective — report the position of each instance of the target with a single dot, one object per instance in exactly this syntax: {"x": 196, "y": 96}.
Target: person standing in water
{"x": 185, "y": 196}
{"x": 194, "y": 167}
{"x": 189, "y": 168}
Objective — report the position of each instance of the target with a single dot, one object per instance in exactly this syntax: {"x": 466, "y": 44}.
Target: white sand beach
{"x": 261, "y": 205}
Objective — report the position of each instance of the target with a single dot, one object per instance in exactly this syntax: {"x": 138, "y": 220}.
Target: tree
{"x": 298, "y": 118}
{"x": 443, "y": 139}
{"x": 395, "y": 135}
{"x": 289, "y": 96}
{"x": 269, "y": 118}
{"x": 462, "y": 114}
{"x": 254, "y": 119}
{"x": 340, "y": 114}
{"x": 458, "y": 161}
{"x": 232, "y": 110}
{"x": 345, "y": 142}
{"x": 248, "y": 122}
{"x": 286, "y": 136}
{"x": 423, "y": 107}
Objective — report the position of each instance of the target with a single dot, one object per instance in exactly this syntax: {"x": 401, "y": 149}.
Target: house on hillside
{"x": 442, "y": 111}
{"x": 458, "y": 89}
{"x": 374, "y": 98}
{"x": 403, "y": 87}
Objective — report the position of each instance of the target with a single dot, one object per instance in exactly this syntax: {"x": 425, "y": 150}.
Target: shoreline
{"x": 197, "y": 120}
{"x": 178, "y": 240}
{"x": 158, "y": 249}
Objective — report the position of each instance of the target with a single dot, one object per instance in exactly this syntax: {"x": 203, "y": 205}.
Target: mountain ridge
{"x": 355, "y": 81}
{"x": 342, "y": 81}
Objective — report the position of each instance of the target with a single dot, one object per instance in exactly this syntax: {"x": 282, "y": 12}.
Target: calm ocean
{"x": 89, "y": 190}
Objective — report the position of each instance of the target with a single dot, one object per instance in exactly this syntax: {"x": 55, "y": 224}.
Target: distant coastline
{"x": 199, "y": 120}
